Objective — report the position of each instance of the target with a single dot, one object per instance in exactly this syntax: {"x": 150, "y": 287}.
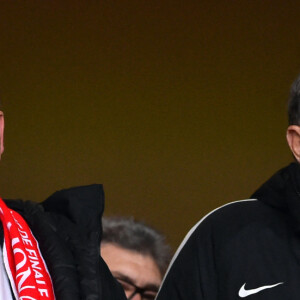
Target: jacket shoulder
{"x": 230, "y": 216}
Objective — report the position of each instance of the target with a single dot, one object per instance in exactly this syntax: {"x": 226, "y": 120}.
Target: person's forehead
{"x": 141, "y": 269}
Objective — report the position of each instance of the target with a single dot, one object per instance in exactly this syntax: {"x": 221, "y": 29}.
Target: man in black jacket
{"x": 250, "y": 248}
{"x": 67, "y": 227}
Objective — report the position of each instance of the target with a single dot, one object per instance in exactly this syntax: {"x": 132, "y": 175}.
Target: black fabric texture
{"x": 67, "y": 226}
{"x": 246, "y": 245}
{"x": 282, "y": 191}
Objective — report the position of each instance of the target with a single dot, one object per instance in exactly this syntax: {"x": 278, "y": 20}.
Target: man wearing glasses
{"x": 136, "y": 254}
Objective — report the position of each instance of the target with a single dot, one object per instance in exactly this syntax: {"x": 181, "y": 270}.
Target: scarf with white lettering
{"x": 25, "y": 266}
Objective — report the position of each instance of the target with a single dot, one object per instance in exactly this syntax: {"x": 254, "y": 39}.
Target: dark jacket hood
{"x": 83, "y": 205}
{"x": 282, "y": 191}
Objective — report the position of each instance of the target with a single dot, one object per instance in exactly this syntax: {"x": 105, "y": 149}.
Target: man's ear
{"x": 1, "y": 133}
{"x": 293, "y": 139}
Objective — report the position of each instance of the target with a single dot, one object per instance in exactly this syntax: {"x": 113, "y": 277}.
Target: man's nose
{"x": 137, "y": 296}
{"x": 134, "y": 296}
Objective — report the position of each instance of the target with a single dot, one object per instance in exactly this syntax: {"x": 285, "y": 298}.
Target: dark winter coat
{"x": 245, "y": 249}
{"x": 67, "y": 227}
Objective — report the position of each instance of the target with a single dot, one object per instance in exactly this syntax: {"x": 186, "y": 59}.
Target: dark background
{"x": 177, "y": 107}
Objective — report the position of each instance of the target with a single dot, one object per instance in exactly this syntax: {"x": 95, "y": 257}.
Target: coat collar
{"x": 282, "y": 191}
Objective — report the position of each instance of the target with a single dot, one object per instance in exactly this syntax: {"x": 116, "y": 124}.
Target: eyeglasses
{"x": 131, "y": 290}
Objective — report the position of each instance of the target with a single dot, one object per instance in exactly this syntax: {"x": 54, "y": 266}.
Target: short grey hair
{"x": 137, "y": 236}
{"x": 294, "y": 103}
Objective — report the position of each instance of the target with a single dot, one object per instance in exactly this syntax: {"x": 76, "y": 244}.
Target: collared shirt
{"x": 5, "y": 290}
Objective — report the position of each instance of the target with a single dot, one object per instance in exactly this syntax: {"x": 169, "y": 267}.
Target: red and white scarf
{"x": 24, "y": 264}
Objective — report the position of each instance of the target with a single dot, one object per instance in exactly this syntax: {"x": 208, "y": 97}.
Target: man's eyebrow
{"x": 151, "y": 286}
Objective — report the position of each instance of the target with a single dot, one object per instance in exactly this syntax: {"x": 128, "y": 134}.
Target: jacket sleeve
{"x": 192, "y": 273}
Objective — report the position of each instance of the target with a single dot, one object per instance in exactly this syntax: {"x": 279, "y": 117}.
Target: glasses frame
{"x": 137, "y": 289}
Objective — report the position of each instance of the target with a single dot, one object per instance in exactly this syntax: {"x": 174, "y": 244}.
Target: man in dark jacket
{"x": 67, "y": 228}
{"x": 250, "y": 248}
